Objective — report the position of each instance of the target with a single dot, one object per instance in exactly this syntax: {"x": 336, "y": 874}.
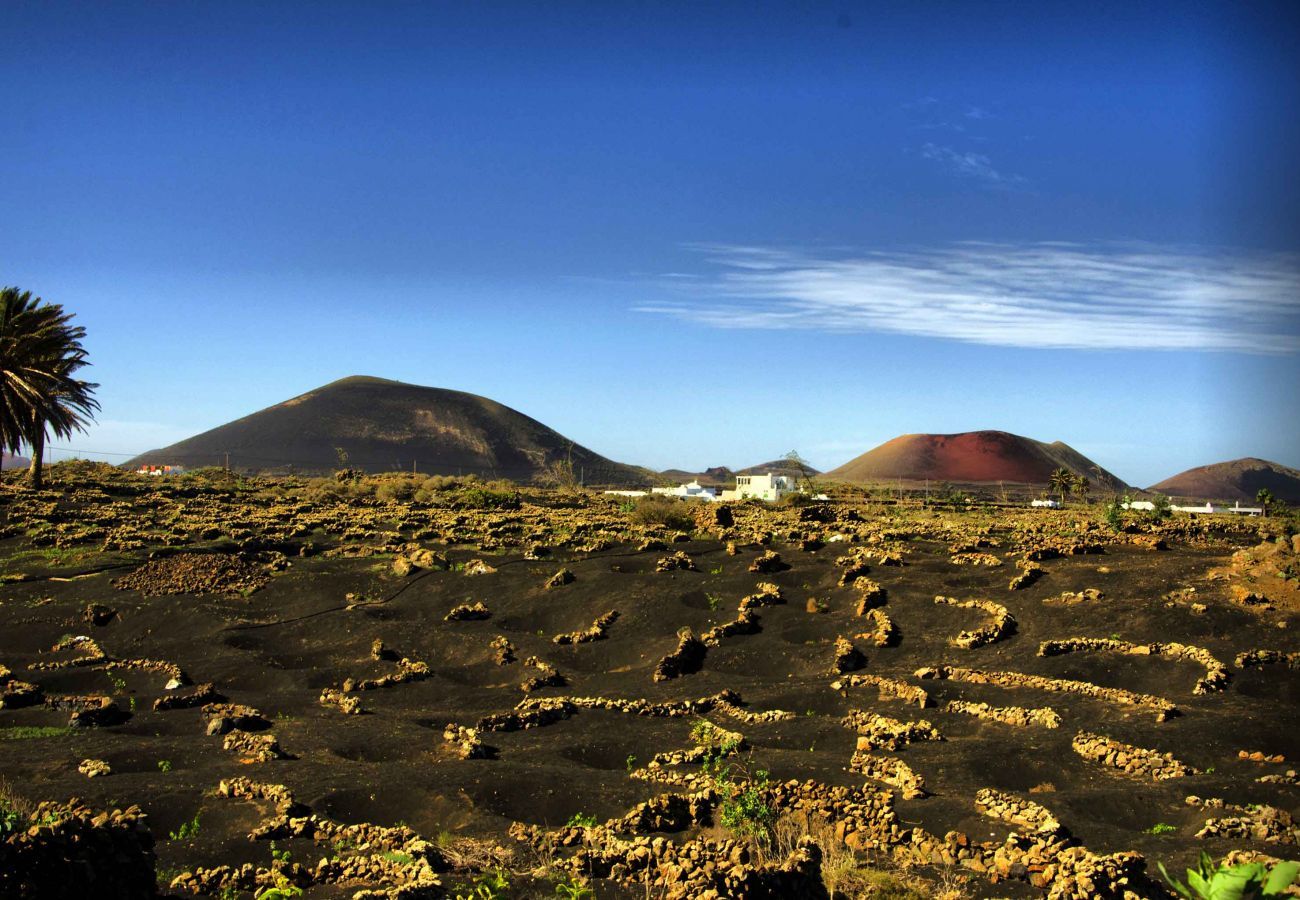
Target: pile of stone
{"x": 1268, "y": 658}
{"x": 1128, "y": 759}
{"x": 262, "y": 747}
{"x": 1029, "y": 573}
{"x": 679, "y": 561}
{"x": 889, "y": 770}
{"x": 854, "y": 568}
{"x": 394, "y": 862}
{"x": 226, "y": 717}
{"x": 884, "y": 632}
{"x": 594, "y": 632}
{"x": 870, "y": 595}
{"x": 766, "y": 594}
{"x": 408, "y": 670}
{"x": 547, "y": 676}
{"x": 535, "y": 712}
{"x": 848, "y": 658}
{"x": 1163, "y": 708}
{"x": 768, "y": 563}
{"x": 202, "y": 695}
{"x": 1042, "y": 716}
{"x": 467, "y": 612}
{"x": 887, "y": 688}
{"x": 877, "y": 732}
{"x": 466, "y": 743}
{"x": 686, "y": 659}
{"x": 975, "y": 559}
{"x": 503, "y": 650}
{"x": 15, "y": 694}
{"x": 67, "y": 851}
{"x": 345, "y": 703}
{"x": 701, "y": 869}
{"x": 196, "y": 573}
{"x": 1021, "y": 813}
{"x": 746, "y": 622}
{"x": 560, "y": 579}
{"x": 1252, "y": 823}
{"x": 1071, "y": 598}
{"x": 478, "y": 567}
{"x": 1002, "y": 625}
{"x": 94, "y": 768}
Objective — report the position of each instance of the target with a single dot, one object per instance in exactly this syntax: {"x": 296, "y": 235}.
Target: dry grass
{"x": 13, "y": 802}
{"x": 849, "y": 875}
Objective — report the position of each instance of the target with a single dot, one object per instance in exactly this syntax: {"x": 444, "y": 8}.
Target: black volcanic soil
{"x": 276, "y": 648}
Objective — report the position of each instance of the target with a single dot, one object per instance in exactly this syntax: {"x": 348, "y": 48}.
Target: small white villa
{"x": 692, "y": 490}
{"x": 1046, "y": 504}
{"x": 767, "y": 487}
{"x": 1235, "y": 509}
{"x": 1144, "y": 505}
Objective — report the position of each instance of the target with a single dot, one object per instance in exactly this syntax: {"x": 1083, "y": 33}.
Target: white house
{"x": 692, "y": 490}
{"x": 767, "y": 487}
{"x": 1145, "y": 505}
{"x": 1046, "y": 504}
{"x": 1236, "y": 509}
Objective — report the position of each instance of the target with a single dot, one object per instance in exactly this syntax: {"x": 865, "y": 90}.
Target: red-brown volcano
{"x": 1239, "y": 479}
{"x": 972, "y": 456}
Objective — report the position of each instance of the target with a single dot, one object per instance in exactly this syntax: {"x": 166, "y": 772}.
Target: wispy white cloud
{"x": 1047, "y": 295}
{"x": 970, "y": 165}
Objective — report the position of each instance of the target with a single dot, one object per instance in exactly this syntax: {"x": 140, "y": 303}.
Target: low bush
{"x": 662, "y": 511}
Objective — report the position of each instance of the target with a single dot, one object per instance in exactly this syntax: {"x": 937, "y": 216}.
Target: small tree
{"x": 1061, "y": 480}
{"x": 1080, "y": 487}
{"x": 806, "y": 472}
{"x": 1264, "y": 497}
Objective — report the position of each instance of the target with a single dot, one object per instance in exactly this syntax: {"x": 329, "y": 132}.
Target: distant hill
{"x": 779, "y": 467}
{"x": 721, "y": 475}
{"x": 387, "y": 425}
{"x": 9, "y": 461}
{"x": 971, "y": 457}
{"x": 1238, "y": 479}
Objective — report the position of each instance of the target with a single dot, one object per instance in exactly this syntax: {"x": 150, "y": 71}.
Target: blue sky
{"x": 681, "y": 234}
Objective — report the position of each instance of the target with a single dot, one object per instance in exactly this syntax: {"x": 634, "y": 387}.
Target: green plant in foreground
{"x": 1247, "y": 881}
{"x": 488, "y": 886}
{"x": 187, "y": 830}
{"x": 573, "y": 888}
{"x": 164, "y": 765}
{"x": 1160, "y": 828}
{"x": 746, "y": 812}
{"x": 631, "y": 761}
{"x": 581, "y": 820}
{"x": 283, "y": 890}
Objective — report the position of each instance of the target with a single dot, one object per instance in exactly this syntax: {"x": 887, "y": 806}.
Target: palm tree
{"x": 1080, "y": 487}
{"x": 1264, "y": 497}
{"x": 40, "y": 352}
{"x": 1061, "y": 481}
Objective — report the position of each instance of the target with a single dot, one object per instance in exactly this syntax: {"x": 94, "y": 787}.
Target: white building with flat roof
{"x": 1235, "y": 509}
{"x": 767, "y": 487}
{"x": 1046, "y": 504}
{"x": 692, "y": 490}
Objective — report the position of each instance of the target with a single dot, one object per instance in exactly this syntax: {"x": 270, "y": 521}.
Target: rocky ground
{"x": 246, "y": 684}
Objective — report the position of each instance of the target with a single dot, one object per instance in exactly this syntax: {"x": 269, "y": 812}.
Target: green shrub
{"x": 1246, "y": 881}
{"x": 662, "y": 511}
